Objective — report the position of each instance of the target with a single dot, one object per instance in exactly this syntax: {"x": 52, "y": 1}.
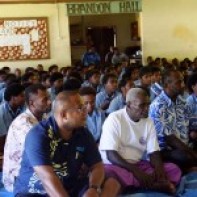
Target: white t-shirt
{"x": 130, "y": 139}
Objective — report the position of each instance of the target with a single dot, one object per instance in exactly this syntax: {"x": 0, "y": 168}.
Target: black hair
{"x": 123, "y": 82}
{"x": 155, "y": 69}
{"x": 45, "y": 77}
{"x": 72, "y": 84}
{"x": 106, "y": 77}
{"x": 76, "y": 75}
{"x": 144, "y": 70}
{"x": 25, "y": 78}
{"x": 32, "y": 90}
{"x": 10, "y": 79}
{"x": 90, "y": 73}
{"x": 166, "y": 77}
{"x": 192, "y": 80}
{"x": 55, "y": 76}
{"x": 13, "y": 90}
{"x": 29, "y": 69}
{"x": 2, "y": 72}
{"x": 87, "y": 91}
{"x": 52, "y": 67}
{"x": 6, "y": 68}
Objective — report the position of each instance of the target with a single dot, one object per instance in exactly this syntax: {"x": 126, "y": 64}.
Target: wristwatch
{"x": 97, "y": 188}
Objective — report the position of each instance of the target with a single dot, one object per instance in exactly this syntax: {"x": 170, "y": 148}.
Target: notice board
{"x": 24, "y": 39}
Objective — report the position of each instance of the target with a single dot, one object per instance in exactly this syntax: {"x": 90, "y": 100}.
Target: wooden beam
{"x": 43, "y": 1}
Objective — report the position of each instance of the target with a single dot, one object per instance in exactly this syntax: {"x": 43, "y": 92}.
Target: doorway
{"x": 102, "y": 38}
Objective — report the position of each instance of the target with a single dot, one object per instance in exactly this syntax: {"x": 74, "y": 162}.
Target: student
{"x": 56, "y": 81}
{"x": 95, "y": 117}
{"x": 53, "y": 69}
{"x": 12, "y": 107}
{"x": 119, "y": 101}
{"x": 118, "y": 57}
{"x": 144, "y": 77}
{"x": 30, "y": 77}
{"x": 104, "y": 98}
{"x": 93, "y": 80}
{"x": 45, "y": 79}
{"x": 156, "y": 87}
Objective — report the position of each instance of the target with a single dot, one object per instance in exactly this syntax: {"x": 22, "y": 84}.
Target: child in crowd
{"x": 119, "y": 101}
{"x": 104, "y": 98}
{"x": 56, "y": 81}
{"x": 46, "y": 81}
{"x": 95, "y": 117}
{"x": 92, "y": 80}
{"x": 156, "y": 87}
{"x": 144, "y": 78}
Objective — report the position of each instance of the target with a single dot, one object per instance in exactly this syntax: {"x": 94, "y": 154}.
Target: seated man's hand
{"x": 159, "y": 174}
{"x": 145, "y": 180}
{"x": 193, "y": 135}
{"x": 105, "y": 105}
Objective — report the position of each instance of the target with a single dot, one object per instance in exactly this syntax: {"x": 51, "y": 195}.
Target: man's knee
{"x": 111, "y": 187}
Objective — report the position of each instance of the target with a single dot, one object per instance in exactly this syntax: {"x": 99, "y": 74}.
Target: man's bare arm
{"x": 50, "y": 181}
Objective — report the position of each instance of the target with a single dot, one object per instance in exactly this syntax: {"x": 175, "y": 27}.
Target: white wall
{"x": 58, "y": 31}
{"x": 169, "y": 28}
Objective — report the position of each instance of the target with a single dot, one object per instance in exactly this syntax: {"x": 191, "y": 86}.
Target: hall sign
{"x": 104, "y": 7}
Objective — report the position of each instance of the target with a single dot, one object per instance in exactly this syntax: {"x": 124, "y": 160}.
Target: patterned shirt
{"x": 14, "y": 146}
{"x": 170, "y": 118}
{"x": 45, "y": 147}
{"x": 155, "y": 90}
{"x": 192, "y": 103}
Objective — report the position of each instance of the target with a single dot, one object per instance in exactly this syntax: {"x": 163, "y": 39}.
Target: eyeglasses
{"x": 80, "y": 109}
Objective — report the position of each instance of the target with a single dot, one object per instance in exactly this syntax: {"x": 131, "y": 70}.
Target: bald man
{"x": 128, "y": 138}
{"x": 55, "y": 150}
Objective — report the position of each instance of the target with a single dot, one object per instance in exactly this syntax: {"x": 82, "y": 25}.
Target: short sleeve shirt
{"x": 44, "y": 146}
{"x": 170, "y": 118}
{"x": 132, "y": 140}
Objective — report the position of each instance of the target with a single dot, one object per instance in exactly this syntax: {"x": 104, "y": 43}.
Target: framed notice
{"x": 24, "y": 39}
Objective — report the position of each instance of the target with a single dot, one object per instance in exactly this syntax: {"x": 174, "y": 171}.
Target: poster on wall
{"x": 24, "y": 39}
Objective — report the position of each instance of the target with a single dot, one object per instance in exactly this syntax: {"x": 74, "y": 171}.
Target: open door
{"x": 102, "y": 38}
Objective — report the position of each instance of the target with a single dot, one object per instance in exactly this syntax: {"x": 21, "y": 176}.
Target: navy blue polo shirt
{"x": 44, "y": 146}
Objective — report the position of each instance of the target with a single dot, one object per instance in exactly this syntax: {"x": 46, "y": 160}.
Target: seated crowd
{"x": 98, "y": 131}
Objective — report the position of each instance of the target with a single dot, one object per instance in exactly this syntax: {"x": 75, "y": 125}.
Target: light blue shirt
{"x": 6, "y": 117}
{"x": 2, "y": 91}
{"x": 52, "y": 94}
{"x": 117, "y": 103}
{"x": 86, "y": 83}
{"x": 170, "y": 118}
{"x": 101, "y": 97}
{"x": 94, "y": 123}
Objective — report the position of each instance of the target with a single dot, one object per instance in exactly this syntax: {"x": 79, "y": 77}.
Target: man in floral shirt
{"x": 171, "y": 118}
{"x": 38, "y": 103}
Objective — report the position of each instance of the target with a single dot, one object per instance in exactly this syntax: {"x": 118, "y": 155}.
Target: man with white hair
{"x": 128, "y": 136}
